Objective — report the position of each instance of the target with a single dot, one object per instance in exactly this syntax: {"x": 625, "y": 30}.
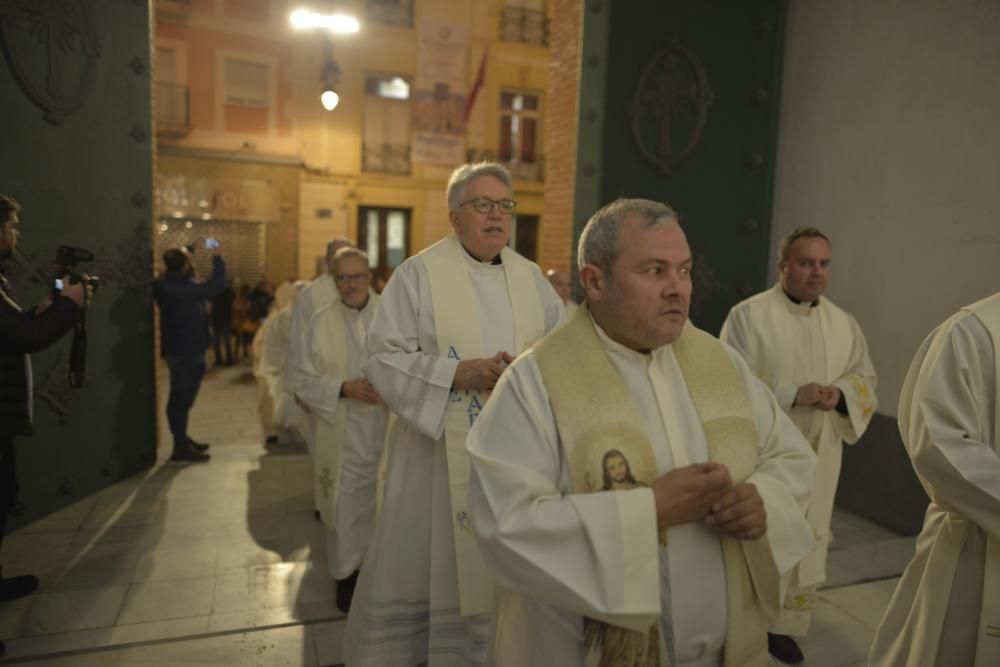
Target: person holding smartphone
{"x": 23, "y": 332}
{"x": 185, "y": 336}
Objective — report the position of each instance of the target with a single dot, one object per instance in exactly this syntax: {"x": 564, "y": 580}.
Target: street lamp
{"x": 306, "y": 19}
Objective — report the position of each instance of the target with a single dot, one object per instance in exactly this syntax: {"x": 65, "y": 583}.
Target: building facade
{"x": 247, "y": 152}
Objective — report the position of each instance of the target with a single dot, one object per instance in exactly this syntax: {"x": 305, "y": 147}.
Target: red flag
{"x": 480, "y": 79}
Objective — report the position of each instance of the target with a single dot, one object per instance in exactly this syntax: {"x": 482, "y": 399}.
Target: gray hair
{"x": 599, "y": 239}
{"x": 348, "y": 252}
{"x": 462, "y": 176}
{"x": 331, "y": 246}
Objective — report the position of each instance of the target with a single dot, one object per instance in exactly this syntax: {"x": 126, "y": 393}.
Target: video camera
{"x": 67, "y": 257}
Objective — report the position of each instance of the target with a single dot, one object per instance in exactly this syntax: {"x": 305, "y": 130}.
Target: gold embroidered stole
{"x": 596, "y": 417}
{"x": 459, "y": 337}
{"x": 988, "y": 644}
{"x": 329, "y": 330}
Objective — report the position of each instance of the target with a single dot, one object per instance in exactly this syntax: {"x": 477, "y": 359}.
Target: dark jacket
{"x": 184, "y": 326}
{"x": 21, "y": 333}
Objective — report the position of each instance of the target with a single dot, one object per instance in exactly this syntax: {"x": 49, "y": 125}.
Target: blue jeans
{"x": 185, "y": 379}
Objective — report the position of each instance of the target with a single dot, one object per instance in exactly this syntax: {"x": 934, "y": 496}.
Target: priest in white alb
{"x": 637, "y": 491}
{"x": 318, "y": 293}
{"x": 350, "y": 419}
{"x": 946, "y": 608}
{"x": 450, "y": 320}
{"x": 813, "y": 356}
{"x": 561, "y": 284}
{"x": 287, "y": 417}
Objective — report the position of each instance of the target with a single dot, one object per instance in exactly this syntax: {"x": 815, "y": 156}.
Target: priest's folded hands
{"x": 705, "y": 492}
{"x": 481, "y": 374}
{"x": 739, "y": 513}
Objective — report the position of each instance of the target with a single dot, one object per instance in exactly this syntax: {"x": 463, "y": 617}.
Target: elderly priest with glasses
{"x": 450, "y": 321}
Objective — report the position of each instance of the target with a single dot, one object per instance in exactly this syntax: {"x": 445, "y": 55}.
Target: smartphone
{"x": 58, "y": 284}
{"x": 212, "y": 244}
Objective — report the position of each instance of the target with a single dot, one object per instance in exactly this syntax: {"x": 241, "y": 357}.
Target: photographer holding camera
{"x": 185, "y": 336}
{"x": 21, "y": 333}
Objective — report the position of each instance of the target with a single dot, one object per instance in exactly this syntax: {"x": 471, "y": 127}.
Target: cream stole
{"x": 330, "y": 343}
{"x": 459, "y": 337}
{"x": 988, "y": 646}
{"x": 595, "y": 414}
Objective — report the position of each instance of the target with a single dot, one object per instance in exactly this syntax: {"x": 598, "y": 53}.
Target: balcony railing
{"x": 522, "y": 170}
{"x": 524, "y": 25}
{"x": 385, "y": 158}
{"x": 173, "y": 116}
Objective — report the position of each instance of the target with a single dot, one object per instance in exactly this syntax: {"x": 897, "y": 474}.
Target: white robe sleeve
{"x": 582, "y": 553}
{"x": 415, "y": 385}
{"x": 301, "y": 313}
{"x": 857, "y": 385}
{"x": 736, "y": 332}
{"x": 783, "y": 477}
{"x": 947, "y": 415}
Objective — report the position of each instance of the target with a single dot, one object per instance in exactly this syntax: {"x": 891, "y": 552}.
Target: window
{"x": 384, "y": 233}
{"x": 391, "y": 12}
{"x": 246, "y": 83}
{"x": 524, "y": 21}
{"x": 386, "y": 135}
{"x": 526, "y": 236}
{"x": 520, "y": 115}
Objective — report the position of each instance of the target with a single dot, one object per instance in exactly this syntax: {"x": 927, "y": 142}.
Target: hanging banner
{"x": 439, "y": 93}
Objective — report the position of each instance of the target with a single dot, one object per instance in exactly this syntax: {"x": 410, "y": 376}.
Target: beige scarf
{"x": 459, "y": 337}
{"x": 330, "y": 339}
{"x": 596, "y": 416}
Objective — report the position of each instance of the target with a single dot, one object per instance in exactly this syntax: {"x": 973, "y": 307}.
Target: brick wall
{"x": 555, "y": 248}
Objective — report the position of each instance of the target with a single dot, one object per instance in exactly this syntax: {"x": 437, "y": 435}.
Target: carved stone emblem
{"x": 52, "y": 50}
{"x": 670, "y": 106}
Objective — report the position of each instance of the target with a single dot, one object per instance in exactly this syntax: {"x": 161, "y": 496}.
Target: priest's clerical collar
{"x": 496, "y": 260}
{"x": 798, "y": 302}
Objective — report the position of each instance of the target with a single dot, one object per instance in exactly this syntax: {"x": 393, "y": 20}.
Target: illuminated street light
{"x": 305, "y": 19}
{"x": 330, "y": 99}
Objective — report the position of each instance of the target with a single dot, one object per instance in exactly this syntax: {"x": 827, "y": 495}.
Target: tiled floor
{"x": 224, "y": 564}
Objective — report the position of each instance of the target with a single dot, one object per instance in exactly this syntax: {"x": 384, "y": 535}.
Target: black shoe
{"x": 12, "y": 588}
{"x": 189, "y": 455}
{"x": 271, "y": 440}
{"x": 319, "y": 517}
{"x": 784, "y": 649}
{"x": 3, "y": 649}
{"x": 198, "y": 446}
{"x": 345, "y": 592}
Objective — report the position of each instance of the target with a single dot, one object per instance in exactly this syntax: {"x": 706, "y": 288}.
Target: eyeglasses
{"x": 485, "y": 205}
{"x": 352, "y": 277}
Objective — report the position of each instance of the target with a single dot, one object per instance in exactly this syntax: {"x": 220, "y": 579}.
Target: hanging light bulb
{"x": 330, "y": 99}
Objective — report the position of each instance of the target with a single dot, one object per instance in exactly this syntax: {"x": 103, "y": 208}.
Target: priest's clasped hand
{"x": 481, "y": 374}
{"x": 819, "y": 396}
{"x": 739, "y": 513}
{"x": 686, "y": 495}
{"x": 360, "y": 389}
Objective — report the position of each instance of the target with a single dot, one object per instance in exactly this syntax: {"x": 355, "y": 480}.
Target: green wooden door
{"x": 679, "y": 103}
{"x": 77, "y": 155}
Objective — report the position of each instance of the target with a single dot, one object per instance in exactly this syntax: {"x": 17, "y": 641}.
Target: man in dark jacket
{"x": 185, "y": 336}
{"x": 21, "y": 333}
